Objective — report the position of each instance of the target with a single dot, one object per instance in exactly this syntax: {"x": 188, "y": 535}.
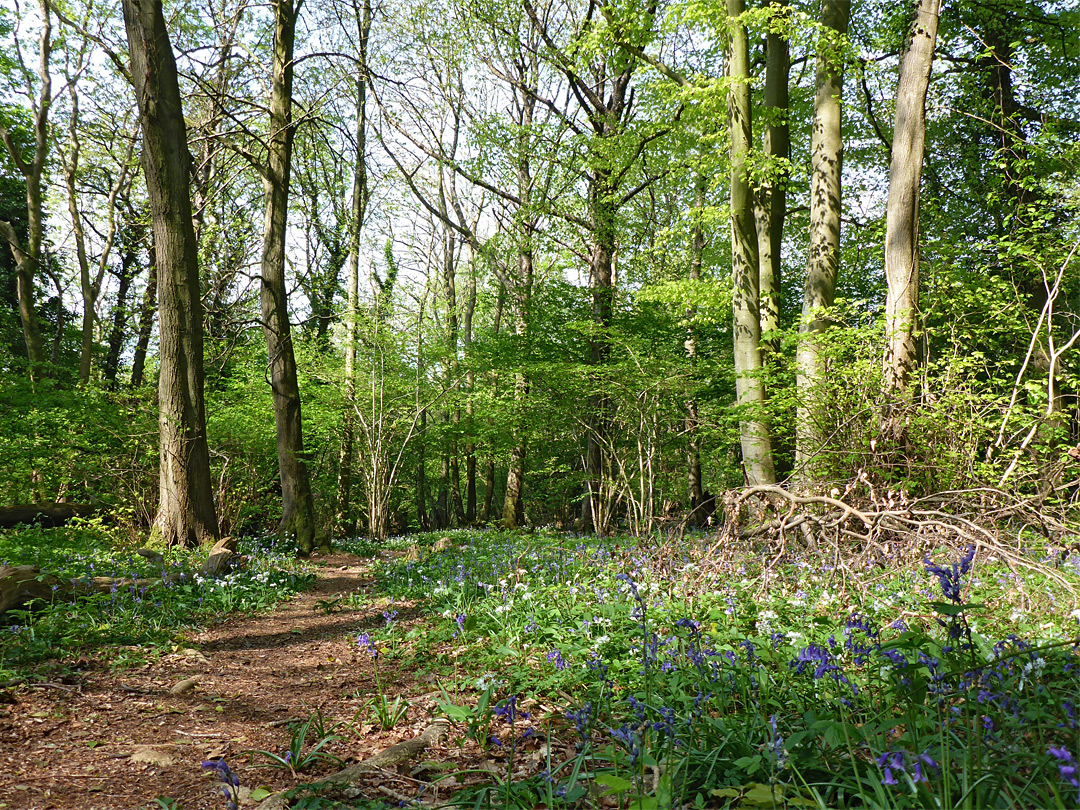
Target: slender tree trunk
{"x": 186, "y": 510}
{"x": 772, "y": 196}
{"x": 128, "y": 268}
{"x": 693, "y": 422}
{"x": 89, "y": 285}
{"x": 470, "y": 382}
{"x": 146, "y": 318}
{"x": 298, "y": 511}
{"x": 489, "y": 476}
{"x": 826, "y": 156}
{"x": 902, "y": 213}
{"x": 749, "y": 387}
{"x": 344, "y": 518}
{"x": 513, "y": 510}
{"x": 28, "y": 258}
{"x": 442, "y": 501}
{"x": 602, "y": 212}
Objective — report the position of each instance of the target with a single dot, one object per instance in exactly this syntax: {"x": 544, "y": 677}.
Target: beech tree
{"x": 32, "y": 167}
{"x": 298, "y": 511}
{"x": 823, "y": 263}
{"x": 186, "y": 513}
{"x": 750, "y": 388}
{"x": 902, "y": 210}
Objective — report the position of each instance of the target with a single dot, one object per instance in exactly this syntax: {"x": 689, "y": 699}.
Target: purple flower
{"x": 508, "y": 711}
{"x": 951, "y": 579}
{"x": 230, "y": 782}
{"x": 1067, "y": 768}
{"x": 364, "y": 641}
{"x": 581, "y": 719}
{"x": 628, "y": 737}
{"x": 556, "y": 657}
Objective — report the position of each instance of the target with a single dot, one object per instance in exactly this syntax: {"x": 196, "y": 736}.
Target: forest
{"x": 637, "y": 404}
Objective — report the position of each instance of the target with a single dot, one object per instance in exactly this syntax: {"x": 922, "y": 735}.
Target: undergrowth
{"x": 681, "y": 682}
{"x": 130, "y": 623}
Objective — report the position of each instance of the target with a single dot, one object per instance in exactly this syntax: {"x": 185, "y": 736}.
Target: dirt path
{"x": 111, "y": 740}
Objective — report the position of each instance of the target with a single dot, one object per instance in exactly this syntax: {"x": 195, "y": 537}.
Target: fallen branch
{"x": 887, "y": 529}
{"x": 388, "y": 757}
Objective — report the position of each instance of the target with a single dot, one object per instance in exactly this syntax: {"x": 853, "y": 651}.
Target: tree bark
{"x": 28, "y": 258}
{"x": 146, "y": 318}
{"x": 693, "y": 420}
{"x": 526, "y": 72}
{"x": 470, "y": 382}
{"x": 826, "y": 156}
{"x": 602, "y": 210}
{"x": 749, "y": 387}
{"x": 344, "y": 519}
{"x": 298, "y": 511}
{"x": 89, "y": 284}
{"x": 772, "y": 193}
{"x": 186, "y": 510}
{"x": 902, "y": 212}
{"x": 129, "y": 238}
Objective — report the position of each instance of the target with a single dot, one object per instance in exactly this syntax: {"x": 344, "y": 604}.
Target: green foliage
{"x": 300, "y": 756}
{"x": 736, "y": 681}
{"x": 133, "y": 621}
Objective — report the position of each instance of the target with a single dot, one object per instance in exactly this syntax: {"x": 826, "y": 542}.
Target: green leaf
{"x": 258, "y": 794}
{"x": 613, "y": 783}
{"x": 758, "y": 795}
{"x": 458, "y": 713}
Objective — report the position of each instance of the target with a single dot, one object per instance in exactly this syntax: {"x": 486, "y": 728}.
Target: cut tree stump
{"x": 388, "y": 757}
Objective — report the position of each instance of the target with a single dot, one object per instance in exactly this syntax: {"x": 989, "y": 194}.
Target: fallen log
{"x": 22, "y": 584}
{"x": 388, "y": 757}
{"x": 43, "y": 514}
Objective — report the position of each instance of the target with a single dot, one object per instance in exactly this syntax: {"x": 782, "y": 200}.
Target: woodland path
{"x": 112, "y": 739}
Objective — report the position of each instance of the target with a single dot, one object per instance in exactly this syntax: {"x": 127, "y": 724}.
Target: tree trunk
{"x": 28, "y": 259}
{"x": 186, "y": 510}
{"x": 422, "y": 518}
{"x": 826, "y": 155}
{"x": 772, "y": 193}
{"x": 749, "y": 387}
{"x": 489, "y": 475}
{"x": 470, "y": 382}
{"x": 298, "y": 511}
{"x": 344, "y": 519}
{"x": 902, "y": 213}
{"x": 146, "y": 318}
{"x": 89, "y": 285}
{"x": 693, "y": 421}
{"x": 602, "y": 210}
{"x": 513, "y": 510}
{"x": 129, "y": 266}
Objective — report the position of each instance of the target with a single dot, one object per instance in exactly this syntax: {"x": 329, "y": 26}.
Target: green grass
{"x": 702, "y": 684}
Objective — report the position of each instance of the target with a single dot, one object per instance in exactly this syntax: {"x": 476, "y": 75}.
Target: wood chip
{"x": 149, "y": 754}
{"x": 185, "y": 685}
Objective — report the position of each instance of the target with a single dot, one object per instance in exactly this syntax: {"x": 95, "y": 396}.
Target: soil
{"x": 110, "y": 739}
